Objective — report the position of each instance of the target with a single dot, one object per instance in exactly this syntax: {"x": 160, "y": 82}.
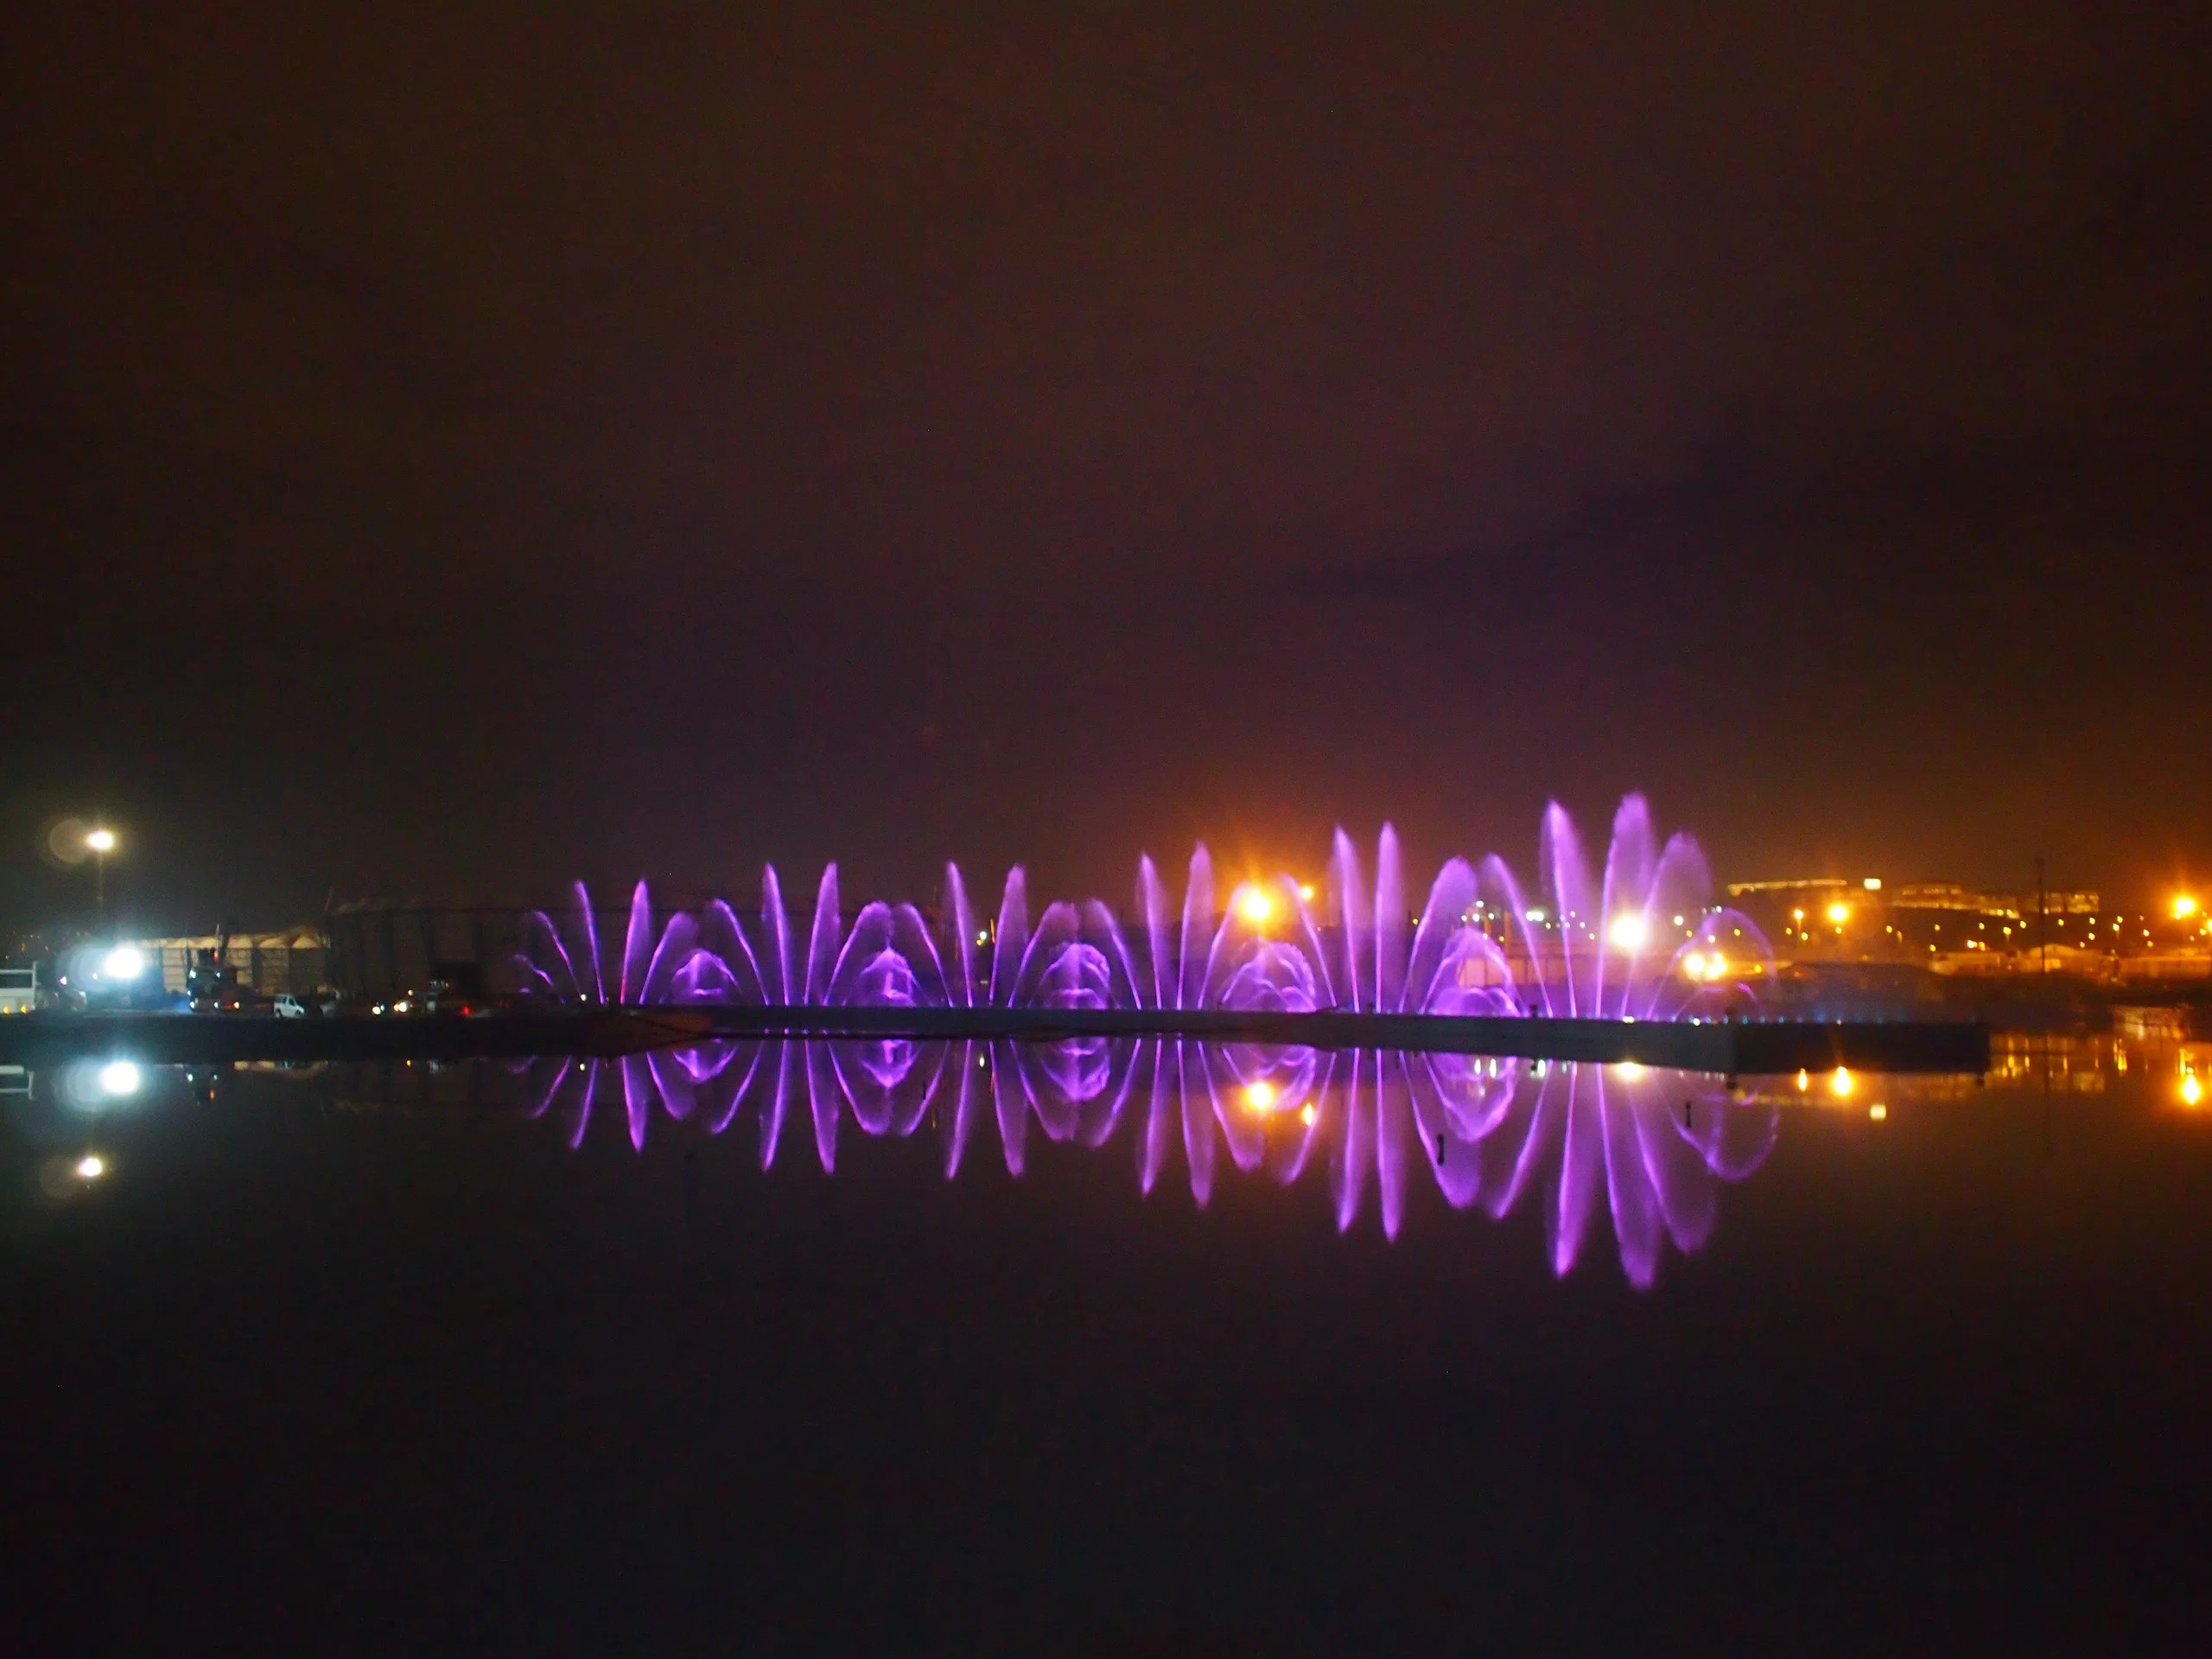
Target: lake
{"x": 482, "y": 1356}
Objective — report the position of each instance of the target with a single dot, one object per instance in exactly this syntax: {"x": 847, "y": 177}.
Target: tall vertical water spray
{"x": 1643, "y": 940}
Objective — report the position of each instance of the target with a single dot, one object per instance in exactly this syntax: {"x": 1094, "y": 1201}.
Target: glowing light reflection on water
{"x": 1491, "y": 1136}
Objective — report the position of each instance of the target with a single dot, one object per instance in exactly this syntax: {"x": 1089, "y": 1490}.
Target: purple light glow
{"x": 1490, "y": 1133}
{"x": 1643, "y": 943}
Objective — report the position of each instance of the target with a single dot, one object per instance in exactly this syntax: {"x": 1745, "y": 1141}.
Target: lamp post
{"x": 2043, "y": 927}
{"x": 102, "y": 842}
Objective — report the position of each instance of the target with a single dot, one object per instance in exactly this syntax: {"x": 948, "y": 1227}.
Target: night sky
{"x": 447, "y": 451}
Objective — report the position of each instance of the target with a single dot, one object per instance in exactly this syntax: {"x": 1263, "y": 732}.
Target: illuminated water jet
{"x": 1584, "y": 947}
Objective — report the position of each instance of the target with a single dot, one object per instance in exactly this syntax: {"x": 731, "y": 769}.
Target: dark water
{"x": 366, "y": 1359}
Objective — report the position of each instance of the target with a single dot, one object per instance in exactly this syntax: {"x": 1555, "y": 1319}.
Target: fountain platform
{"x": 1726, "y": 1048}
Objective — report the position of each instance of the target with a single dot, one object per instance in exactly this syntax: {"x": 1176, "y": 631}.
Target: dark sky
{"x": 448, "y": 449}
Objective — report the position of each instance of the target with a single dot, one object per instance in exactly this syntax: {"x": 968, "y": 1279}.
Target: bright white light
{"x": 1878, "y": 1111}
{"x": 1306, "y": 890}
{"x": 1630, "y": 932}
{"x": 124, "y": 962}
{"x": 101, "y": 841}
{"x": 1872, "y": 884}
{"x": 1306, "y": 1114}
{"x": 1628, "y": 1069}
{"x": 1259, "y": 1095}
{"x": 1536, "y": 913}
{"x": 119, "y": 1077}
{"x": 1254, "y": 904}
{"x": 1839, "y": 913}
{"x": 90, "y": 1167}
{"x": 1693, "y": 964}
{"x": 1840, "y": 1081}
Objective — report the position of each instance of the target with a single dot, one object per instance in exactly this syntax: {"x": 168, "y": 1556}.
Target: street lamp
{"x": 102, "y": 842}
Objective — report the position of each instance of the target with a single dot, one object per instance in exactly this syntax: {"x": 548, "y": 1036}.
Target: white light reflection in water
{"x": 1650, "y": 1145}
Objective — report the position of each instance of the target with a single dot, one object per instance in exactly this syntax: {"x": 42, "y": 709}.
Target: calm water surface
{"x": 465, "y": 1360}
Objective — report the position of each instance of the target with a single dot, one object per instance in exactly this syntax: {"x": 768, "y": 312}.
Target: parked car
{"x": 445, "y": 997}
{"x": 288, "y": 1007}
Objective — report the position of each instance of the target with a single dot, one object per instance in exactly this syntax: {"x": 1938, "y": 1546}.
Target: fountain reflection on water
{"x": 1491, "y": 1135}
{"x": 1639, "y": 940}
